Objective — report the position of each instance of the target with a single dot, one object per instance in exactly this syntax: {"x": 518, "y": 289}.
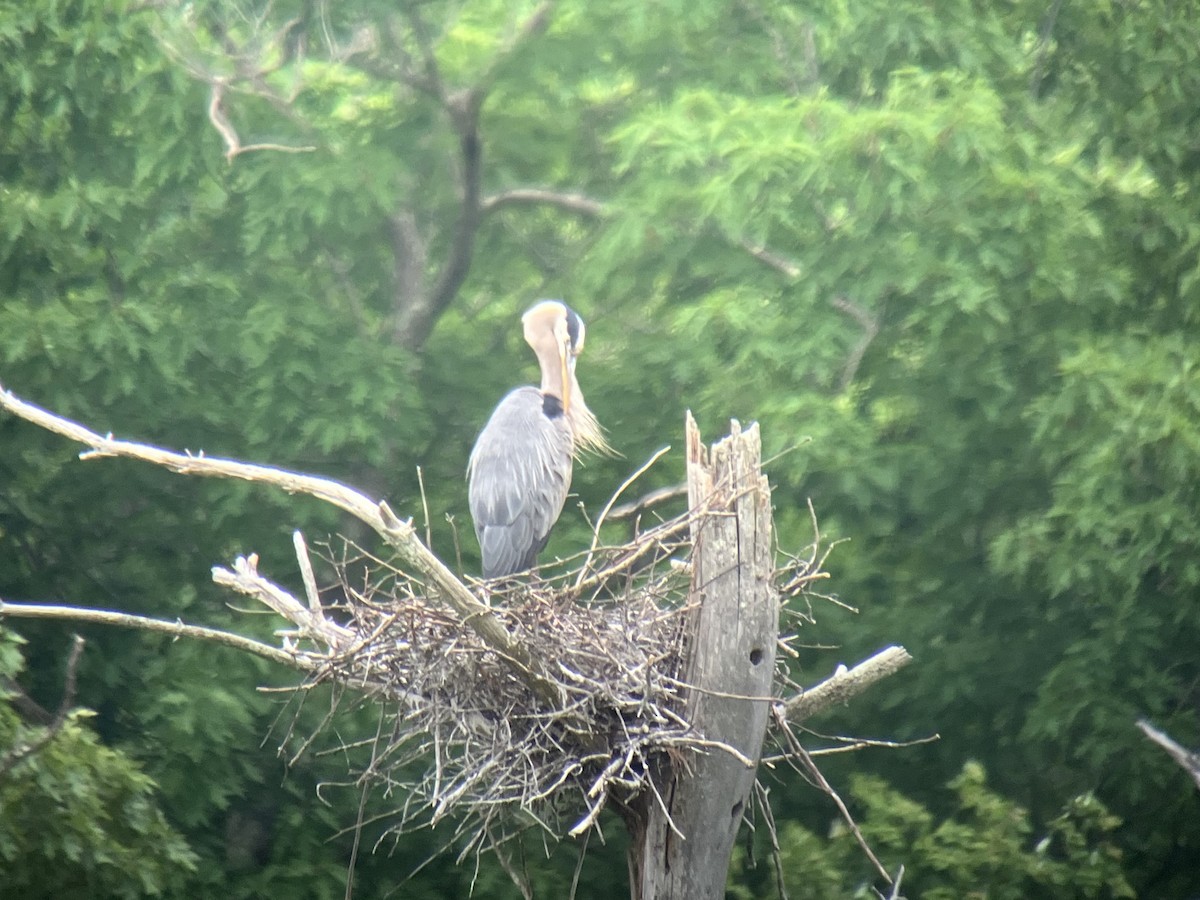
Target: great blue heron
{"x": 520, "y": 469}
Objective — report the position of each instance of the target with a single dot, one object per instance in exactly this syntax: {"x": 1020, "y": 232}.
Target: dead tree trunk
{"x": 683, "y": 837}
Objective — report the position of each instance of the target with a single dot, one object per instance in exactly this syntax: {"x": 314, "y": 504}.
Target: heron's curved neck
{"x": 551, "y": 368}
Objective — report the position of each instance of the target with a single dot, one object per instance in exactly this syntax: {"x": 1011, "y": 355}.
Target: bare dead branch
{"x": 770, "y": 259}
{"x": 567, "y": 201}
{"x": 18, "y": 753}
{"x": 1187, "y": 759}
{"x": 142, "y": 623}
{"x": 870, "y": 327}
{"x": 233, "y": 145}
{"x": 655, "y": 497}
{"x": 845, "y": 684}
{"x": 244, "y": 579}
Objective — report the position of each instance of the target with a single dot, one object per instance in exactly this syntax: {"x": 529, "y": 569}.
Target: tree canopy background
{"x": 948, "y": 255}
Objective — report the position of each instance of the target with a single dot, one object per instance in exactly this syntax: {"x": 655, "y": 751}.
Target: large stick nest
{"x": 463, "y": 738}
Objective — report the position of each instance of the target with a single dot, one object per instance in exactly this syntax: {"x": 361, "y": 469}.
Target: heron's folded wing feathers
{"x": 519, "y": 474}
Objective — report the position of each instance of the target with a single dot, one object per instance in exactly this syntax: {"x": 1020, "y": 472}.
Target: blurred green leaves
{"x": 78, "y": 820}
{"x": 984, "y": 846}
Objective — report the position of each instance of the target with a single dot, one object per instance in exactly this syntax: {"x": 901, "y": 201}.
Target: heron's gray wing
{"x": 519, "y": 474}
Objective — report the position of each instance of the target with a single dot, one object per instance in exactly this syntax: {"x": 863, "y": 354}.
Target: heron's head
{"x": 556, "y": 333}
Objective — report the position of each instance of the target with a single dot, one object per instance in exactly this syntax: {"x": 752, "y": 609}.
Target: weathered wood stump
{"x": 683, "y": 837}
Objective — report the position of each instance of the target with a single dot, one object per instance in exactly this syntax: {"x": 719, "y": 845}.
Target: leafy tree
{"x": 80, "y": 820}
{"x": 982, "y": 848}
{"x": 955, "y": 246}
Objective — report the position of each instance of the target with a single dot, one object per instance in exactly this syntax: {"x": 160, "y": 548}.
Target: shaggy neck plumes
{"x": 586, "y": 433}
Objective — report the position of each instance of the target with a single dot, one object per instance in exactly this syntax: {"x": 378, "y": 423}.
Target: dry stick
{"x": 853, "y": 745}
{"x": 233, "y": 145}
{"x": 894, "y": 894}
{"x": 661, "y": 495}
{"x": 425, "y": 508}
{"x": 845, "y": 684}
{"x": 245, "y": 580}
{"x": 175, "y": 629}
{"x": 811, "y": 768}
{"x": 306, "y": 573}
{"x": 608, "y": 506}
{"x": 579, "y": 866}
{"x": 764, "y": 803}
{"x": 398, "y": 534}
{"x": 1188, "y": 760}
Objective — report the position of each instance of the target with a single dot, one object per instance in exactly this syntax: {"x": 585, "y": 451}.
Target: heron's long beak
{"x": 565, "y": 372}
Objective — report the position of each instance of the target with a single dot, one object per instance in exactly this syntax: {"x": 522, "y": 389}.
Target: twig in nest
{"x": 655, "y": 497}
{"x": 608, "y": 506}
{"x": 482, "y": 749}
{"x": 810, "y": 768}
{"x": 762, "y": 795}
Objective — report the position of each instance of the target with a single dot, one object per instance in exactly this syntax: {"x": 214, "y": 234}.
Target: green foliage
{"x": 984, "y": 847}
{"x": 946, "y": 254}
{"x": 79, "y": 820}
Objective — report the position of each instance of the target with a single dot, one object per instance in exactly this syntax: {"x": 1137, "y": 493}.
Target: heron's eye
{"x": 574, "y": 329}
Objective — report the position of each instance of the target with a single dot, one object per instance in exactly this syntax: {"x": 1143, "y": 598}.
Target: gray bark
{"x": 682, "y": 846}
